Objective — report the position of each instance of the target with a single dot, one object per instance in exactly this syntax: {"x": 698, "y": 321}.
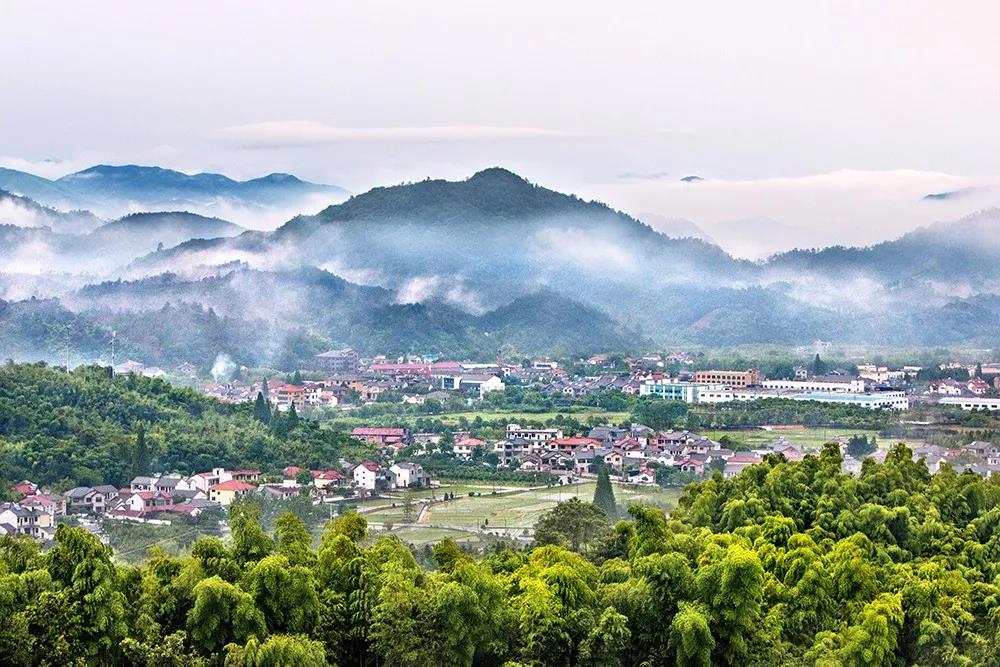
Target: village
{"x": 634, "y": 455}
{"x": 350, "y": 380}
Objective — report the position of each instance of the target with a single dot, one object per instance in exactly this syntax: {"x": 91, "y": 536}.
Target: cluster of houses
{"x": 158, "y": 498}
{"x": 981, "y": 458}
{"x": 631, "y": 452}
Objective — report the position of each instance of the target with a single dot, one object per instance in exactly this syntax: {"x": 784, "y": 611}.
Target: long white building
{"x": 971, "y": 402}
{"x": 845, "y": 386}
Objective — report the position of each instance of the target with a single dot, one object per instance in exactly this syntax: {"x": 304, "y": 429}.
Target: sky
{"x": 811, "y": 122}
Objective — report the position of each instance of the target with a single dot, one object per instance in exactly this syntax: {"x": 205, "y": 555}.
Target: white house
{"x": 409, "y": 475}
{"x": 369, "y": 475}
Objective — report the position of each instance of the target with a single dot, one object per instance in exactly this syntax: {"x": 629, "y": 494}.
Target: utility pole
{"x": 113, "y": 335}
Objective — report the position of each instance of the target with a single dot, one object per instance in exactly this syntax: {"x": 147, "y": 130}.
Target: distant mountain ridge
{"x": 103, "y": 186}
{"x": 465, "y": 267}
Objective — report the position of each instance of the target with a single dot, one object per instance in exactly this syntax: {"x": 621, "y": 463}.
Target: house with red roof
{"x": 25, "y": 488}
{"x": 370, "y": 475}
{"x": 229, "y": 492}
{"x": 324, "y": 479}
{"x": 382, "y": 436}
{"x": 567, "y": 445}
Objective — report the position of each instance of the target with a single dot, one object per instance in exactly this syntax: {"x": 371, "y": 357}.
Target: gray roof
{"x": 79, "y": 492}
{"x": 141, "y": 479}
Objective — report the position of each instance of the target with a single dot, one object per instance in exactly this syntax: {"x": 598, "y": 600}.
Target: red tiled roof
{"x": 369, "y": 465}
{"x": 576, "y": 442}
{"x": 233, "y": 485}
{"x": 291, "y": 471}
{"x": 367, "y": 430}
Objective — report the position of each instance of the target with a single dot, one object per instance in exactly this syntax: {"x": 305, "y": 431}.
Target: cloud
{"x": 48, "y": 168}
{"x": 299, "y": 133}
{"x": 450, "y": 290}
{"x": 577, "y": 246}
{"x": 652, "y": 176}
{"x": 848, "y": 207}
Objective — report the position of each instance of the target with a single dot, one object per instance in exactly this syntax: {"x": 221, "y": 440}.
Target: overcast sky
{"x": 828, "y": 117}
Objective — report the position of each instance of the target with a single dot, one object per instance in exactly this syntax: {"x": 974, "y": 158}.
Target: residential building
{"x": 382, "y": 436}
{"x": 370, "y": 476}
{"x": 29, "y": 521}
{"x": 226, "y": 493}
{"x": 338, "y": 361}
{"x": 536, "y": 435}
{"x": 409, "y": 475}
{"x": 737, "y": 379}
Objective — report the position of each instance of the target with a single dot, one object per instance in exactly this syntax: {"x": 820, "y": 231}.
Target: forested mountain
{"x": 119, "y": 188}
{"x": 457, "y": 267}
{"x": 25, "y": 212}
{"x": 787, "y": 564}
{"x": 282, "y": 319}
{"x": 106, "y": 248}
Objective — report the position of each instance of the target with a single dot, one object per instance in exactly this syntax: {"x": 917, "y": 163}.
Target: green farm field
{"x": 517, "y": 510}
{"x": 813, "y": 438}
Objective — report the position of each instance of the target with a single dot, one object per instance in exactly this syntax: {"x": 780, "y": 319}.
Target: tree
{"x": 285, "y": 594}
{"x": 858, "y": 446}
{"x": 818, "y": 366}
{"x": 297, "y": 378}
{"x": 604, "y": 494}
{"x": 691, "y": 638}
{"x": 294, "y": 541}
{"x": 250, "y": 542}
{"x": 447, "y": 553}
{"x": 262, "y": 409}
{"x": 140, "y": 451}
{"x": 658, "y": 413}
{"x": 572, "y": 524}
{"x": 277, "y": 651}
{"x": 222, "y": 614}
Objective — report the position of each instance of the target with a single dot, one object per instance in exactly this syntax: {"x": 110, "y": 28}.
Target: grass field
{"x": 809, "y": 437}
{"x": 519, "y": 510}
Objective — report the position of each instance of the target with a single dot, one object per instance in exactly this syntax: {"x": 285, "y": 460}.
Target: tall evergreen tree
{"x": 140, "y": 453}
{"x": 604, "y": 495}
{"x": 261, "y": 409}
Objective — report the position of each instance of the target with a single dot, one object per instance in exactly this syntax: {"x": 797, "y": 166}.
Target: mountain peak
{"x": 497, "y": 175}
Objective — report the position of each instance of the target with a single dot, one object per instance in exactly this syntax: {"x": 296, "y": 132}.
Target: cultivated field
{"x": 813, "y": 438}
{"x": 512, "y": 513}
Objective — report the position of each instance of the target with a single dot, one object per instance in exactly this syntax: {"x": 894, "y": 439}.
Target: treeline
{"x": 87, "y": 428}
{"x": 786, "y": 564}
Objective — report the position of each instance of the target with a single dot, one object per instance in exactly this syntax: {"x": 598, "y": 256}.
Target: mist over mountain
{"x": 468, "y": 267}
{"x": 116, "y": 190}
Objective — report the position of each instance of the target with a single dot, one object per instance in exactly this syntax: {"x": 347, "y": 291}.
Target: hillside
{"x": 25, "y": 212}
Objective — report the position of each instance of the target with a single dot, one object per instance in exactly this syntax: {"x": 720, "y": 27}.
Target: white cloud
{"x": 756, "y": 217}
{"x": 48, "y": 168}
{"x": 296, "y": 133}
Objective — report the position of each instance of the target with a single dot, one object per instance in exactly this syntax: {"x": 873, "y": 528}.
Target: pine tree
{"x": 604, "y": 495}
{"x": 141, "y": 452}
{"x": 293, "y": 417}
{"x": 297, "y": 378}
{"x": 261, "y": 409}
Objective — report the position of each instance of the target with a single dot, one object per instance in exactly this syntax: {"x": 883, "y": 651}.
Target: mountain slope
{"x": 25, "y": 212}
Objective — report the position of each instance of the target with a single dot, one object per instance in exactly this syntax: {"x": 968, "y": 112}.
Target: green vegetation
{"x": 87, "y": 428}
{"x": 788, "y": 564}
